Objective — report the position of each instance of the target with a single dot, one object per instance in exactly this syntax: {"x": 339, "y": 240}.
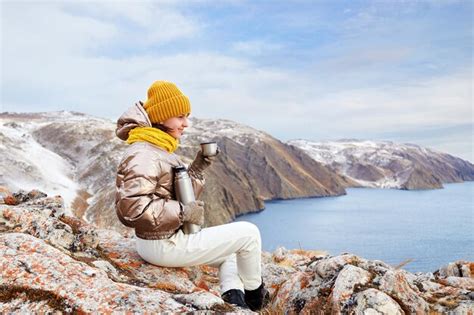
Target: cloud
{"x": 433, "y": 102}
{"x": 153, "y": 22}
{"x": 100, "y": 57}
{"x": 255, "y": 47}
{"x": 41, "y": 31}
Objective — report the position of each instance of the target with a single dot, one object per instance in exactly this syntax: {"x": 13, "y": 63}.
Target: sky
{"x": 315, "y": 70}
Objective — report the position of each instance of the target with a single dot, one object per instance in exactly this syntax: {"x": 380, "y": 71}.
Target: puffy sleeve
{"x": 138, "y": 201}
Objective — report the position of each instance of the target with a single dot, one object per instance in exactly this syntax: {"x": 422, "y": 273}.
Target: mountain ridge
{"x": 75, "y": 155}
{"x": 91, "y": 153}
{"x": 386, "y": 164}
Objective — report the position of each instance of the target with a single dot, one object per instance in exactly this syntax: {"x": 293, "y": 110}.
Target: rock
{"x": 293, "y": 294}
{"x": 427, "y": 283}
{"x": 39, "y": 223}
{"x": 51, "y": 263}
{"x": 329, "y": 268}
{"x": 395, "y": 284}
{"x": 79, "y": 287}
{"x": 10, "y": 200}
{"x": 19, "y": 303}
{"x": 23, "y": 196}
{"x": 464, "y": 308}
{"x": 122, "y": 255}
{"x": 108, "y": 268}
{"x": 458, "y": 282}
{"x": 343, "y": 288}
{"x": 279, "y": 254}
{"x": 201, "y": 300}
{"x": 457, "y": 269}
{"x": 61, "y": 238}
{"x": 4, "y": 192}
{"x": 372, "y": 301}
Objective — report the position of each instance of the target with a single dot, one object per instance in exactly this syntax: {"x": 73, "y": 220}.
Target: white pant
{"x": 234, "y": 248}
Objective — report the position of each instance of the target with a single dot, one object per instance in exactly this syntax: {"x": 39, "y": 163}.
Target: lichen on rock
{"x": 54, "y": 263}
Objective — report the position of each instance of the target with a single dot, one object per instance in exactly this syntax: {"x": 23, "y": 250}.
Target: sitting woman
{"x": 146, "y": 201}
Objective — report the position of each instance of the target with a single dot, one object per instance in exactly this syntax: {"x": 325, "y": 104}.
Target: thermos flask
{"x": 185, "y": 194}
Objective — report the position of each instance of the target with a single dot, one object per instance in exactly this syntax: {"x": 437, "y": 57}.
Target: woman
{"x": 145, "y": 200}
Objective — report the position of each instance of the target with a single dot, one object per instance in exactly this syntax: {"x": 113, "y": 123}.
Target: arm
{"x": 138, "y": 201}
{"x": 196, "y": 171}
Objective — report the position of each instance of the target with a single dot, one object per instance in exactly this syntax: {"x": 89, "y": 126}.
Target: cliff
{"x": 51, "y": 262}
{"x": 385, "y": 164}
{"x": 76, "y": 155}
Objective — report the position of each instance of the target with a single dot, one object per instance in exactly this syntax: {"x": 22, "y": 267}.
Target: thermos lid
{"x": 179, "y": 169}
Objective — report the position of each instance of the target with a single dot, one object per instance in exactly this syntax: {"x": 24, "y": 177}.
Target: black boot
{"x": 258, "y": 298}
{"x": 235, "y": 297}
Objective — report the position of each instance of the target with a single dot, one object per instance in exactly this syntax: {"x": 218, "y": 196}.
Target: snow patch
{"x": 39, "y": 167}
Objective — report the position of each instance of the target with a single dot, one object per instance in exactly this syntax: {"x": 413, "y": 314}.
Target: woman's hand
{"x": 202, "y": 162}
{"x": 193, "y": 212}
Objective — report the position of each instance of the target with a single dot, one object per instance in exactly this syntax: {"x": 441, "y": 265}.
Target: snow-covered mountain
{"x": 28, "y": 163}
{"x": 201, "y": 130}
{"x": 386, "y": 164}
{"x": 76, "y": 156}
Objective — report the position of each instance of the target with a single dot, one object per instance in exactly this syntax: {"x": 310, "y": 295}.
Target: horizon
{"x": 325, "y": 70}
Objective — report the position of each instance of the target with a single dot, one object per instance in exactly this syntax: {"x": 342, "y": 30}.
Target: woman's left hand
{"x": 202, "y": 162}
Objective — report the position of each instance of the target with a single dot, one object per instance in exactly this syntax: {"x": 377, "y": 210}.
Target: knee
{"x": 251, "y": 230}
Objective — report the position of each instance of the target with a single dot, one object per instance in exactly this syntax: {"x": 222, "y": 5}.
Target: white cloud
{"x": 41, "y": 31}
{"x": 443, "y": 101}
{"x": 152, "y": 21}
{"x": 51, "y": 61}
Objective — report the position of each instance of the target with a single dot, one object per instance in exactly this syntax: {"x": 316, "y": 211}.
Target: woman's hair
{"x": 161, "y": 127}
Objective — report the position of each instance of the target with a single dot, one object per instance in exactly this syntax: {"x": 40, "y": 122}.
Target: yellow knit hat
{"x": 164, "y": 101}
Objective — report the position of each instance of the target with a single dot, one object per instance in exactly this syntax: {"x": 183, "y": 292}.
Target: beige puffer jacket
{"x": 145, "y": 198}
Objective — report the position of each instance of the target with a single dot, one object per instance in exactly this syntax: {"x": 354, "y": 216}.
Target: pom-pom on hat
{"x": 164, "y": 101}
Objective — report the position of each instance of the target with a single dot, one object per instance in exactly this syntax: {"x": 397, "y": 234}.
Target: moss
{"x": 223, "y": 308}
{"x": 56, "y": 302}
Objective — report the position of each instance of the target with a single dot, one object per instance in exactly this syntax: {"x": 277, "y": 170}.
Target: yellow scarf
{"x": 154, "y": 136}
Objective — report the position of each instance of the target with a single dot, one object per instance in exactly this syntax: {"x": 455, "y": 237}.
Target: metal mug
{"x": 209, "y": 148}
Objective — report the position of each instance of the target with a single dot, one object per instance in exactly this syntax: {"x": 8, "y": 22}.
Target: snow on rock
{"x": 28, "y": 164}
{"x": 203, "y": 130}
{"x": 42, "y": 168}
{"x": 385, "y": 164}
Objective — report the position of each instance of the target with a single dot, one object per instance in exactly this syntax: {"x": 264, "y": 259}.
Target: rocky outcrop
{"x": 53, "y": 262}
{"x": 86, "y": 153}
{"x": 385, "y": 164}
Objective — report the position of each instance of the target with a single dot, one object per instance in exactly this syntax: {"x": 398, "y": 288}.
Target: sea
{"x": 422, "y": 229}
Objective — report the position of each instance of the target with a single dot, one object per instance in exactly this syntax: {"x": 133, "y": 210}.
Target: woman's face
{"x": 176, "y": 125}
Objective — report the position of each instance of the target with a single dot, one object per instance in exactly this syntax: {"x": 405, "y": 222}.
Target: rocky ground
{"x": 52, "y": 262}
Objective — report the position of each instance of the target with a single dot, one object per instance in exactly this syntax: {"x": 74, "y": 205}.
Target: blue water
{"x": 431, "y": 227}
